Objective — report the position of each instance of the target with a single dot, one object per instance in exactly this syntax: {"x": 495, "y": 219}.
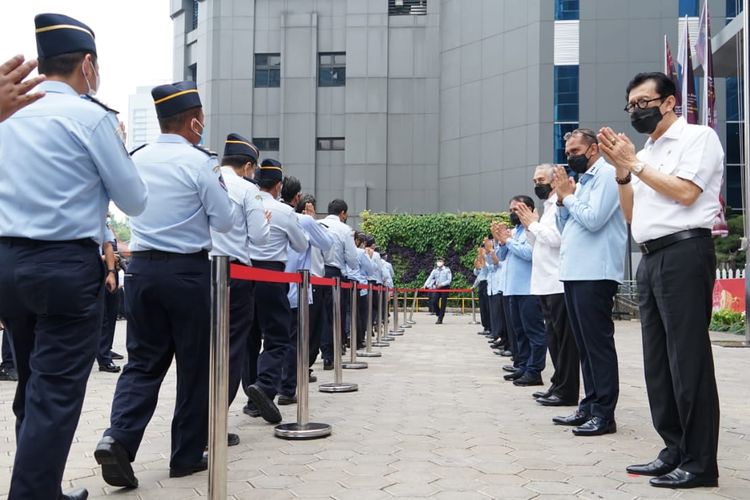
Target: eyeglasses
{"x": 641, "y": 104}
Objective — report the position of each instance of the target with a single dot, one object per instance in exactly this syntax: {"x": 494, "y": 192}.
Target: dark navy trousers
{"x": 168, "y": 313}
{"x": 110, "y": 308}
{"x": 241, "y": 311}
{"x": 50, "y": 297}
{"x": 271, "y": 326}
{"x": 7, "y": 352}
{"x": 531, "y": 341}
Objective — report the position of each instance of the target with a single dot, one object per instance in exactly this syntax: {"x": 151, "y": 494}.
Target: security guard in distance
{"x": 61, "y": 162}
{"x": 167, "y": 290}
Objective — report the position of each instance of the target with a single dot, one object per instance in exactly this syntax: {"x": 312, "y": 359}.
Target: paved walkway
{"x": 432, "y": 419}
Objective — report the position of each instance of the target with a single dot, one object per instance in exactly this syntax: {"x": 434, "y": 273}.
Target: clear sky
{"x": 133, "y": 38}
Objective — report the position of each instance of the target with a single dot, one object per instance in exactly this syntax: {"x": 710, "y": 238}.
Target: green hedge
{"x": 413, "y": 242}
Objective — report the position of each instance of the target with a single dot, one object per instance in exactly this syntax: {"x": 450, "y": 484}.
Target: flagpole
{"x": 746, "y": 149}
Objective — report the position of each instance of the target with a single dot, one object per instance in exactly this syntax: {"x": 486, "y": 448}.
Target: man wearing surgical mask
{"x": 592, "y": 263}
{"x": 669, "y": 191}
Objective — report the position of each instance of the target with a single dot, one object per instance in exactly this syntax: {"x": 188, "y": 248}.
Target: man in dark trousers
{"x": 51, "y": 221}
{"x": 669, "y": 191}
{"x": 167, "y": 290}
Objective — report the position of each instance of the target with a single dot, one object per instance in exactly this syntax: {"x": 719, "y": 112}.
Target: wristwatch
{"x": 624, "y": 180}
{"x": 638, "y": 168}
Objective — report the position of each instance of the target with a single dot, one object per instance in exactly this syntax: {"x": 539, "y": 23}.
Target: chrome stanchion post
{"x": 353, "y": 364}
{"x": 302, "y": 428}
{"x": 218, "y": 379}
{"x": 338, "y": 385}
{"x": 368, "y": 352}
{"x": 413, "y": 308}
{"x": 379, "y": 342}
{"x": 386, "y": 337}
{"x": 473, "y": 310}
{"x": 406, "y": 323}
{"x": 396, "y": 331}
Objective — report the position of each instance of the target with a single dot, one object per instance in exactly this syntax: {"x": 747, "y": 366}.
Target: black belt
{"x": 160, "y": 255}
{"x": 14, "y": 240}
{"x": 272, "y": 265}
{"x": 333, "y": 272}
{"x": 657, "y": 244}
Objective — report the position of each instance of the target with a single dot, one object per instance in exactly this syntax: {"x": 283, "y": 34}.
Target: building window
{"x": 332, "y": 69}
{"x": 689, "y": 8}
{"x": 192, "y": 73}
{"x": 267, "y": 70}
{"x": 734, "y": 132}
{"x": 567, "y": 10}
{"x": 407, "y": 7}
{"x": 330, "y": 144}
{"x": 566, "y": 107}
{"x": 267, "y": 143}
{"x": 194, "y": 15}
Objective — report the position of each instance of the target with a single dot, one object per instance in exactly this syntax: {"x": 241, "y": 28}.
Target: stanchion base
{"x": 405, "y": 325}
{"x": 411, "y": 322}
{"x": 387, "y": 338}
{"x": 371, "y": 354}
{"x": 334, "y": 387}
{"x": 296, "y": 431}
{"x": 353, "y": 365}
{"x": 381, "y": 344}
{"x": 396, "y": 333}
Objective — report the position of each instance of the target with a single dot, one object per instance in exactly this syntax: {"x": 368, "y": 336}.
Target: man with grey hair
{"x": 544, "y": 237}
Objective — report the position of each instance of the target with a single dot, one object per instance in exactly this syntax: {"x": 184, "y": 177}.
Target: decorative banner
{"x": 671, "y": 71}
{"x": 706, "y": 60}
{"x": 729, "y": 294}
{"x": 687, "y": 79}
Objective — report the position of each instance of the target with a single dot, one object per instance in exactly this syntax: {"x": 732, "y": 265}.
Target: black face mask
{"x": 579, "y": 163}
{"x": 645, "y": 120}
{"x": 542, "y": 191}
{"x": 514, "y": 220}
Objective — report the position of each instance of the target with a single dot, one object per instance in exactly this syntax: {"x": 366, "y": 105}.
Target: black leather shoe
{"x": 287, "y": 400}
{"x": 192, "y": 469}
{"x": 250, "y": 410}
{"x": 506, "y": 354}
{"x": 555, "y": 400}
{"x": 439, "y": 322}
{"x": 115, "y": 355}
{"x": 497, "y": 352}
{"x": 109, "y": 367}
{"x": 679, "y": 478}
{"x": 8, "y": 375}
{"x": 528, "y": 380}
{"x": 655, "y": 468}
{"x": 514, "y": 376}
{"x": 576, "y": 419}
{"x": 312, "y": 378}
{"x": 328, "y": 365}
{"x": 597, "y": 426}
{"x": 115, "y": 462}
{"x": 79, "y": 494}
{"x": 268, "y": 410}
{"x": 483, "y": 333}
{"x": 232, "y": 439}
{"x": 509, "y": 368}
{"x": 541, "y": 394}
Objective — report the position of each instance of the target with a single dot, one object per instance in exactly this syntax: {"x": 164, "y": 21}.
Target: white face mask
{"x": 199, "y": 134}
{"x": 440, "y": 264}
{"x": 92, "y": 90}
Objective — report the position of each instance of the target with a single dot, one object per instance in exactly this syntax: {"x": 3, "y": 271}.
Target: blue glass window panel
{"x": 689, "y": 8}
{"x": 734, "y": 186}
{"x": 560, "y": 130}
{"x": 734, "y": 99}
{"x": 567, "y": 10}
{"x": 734, "y": 138}
{"x": 566, "y": 93}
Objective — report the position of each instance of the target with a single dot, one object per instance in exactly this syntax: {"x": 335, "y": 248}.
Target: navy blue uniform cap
{"x": 175, "y": 98}
{"x": 58, "y": 34}
{"x": 270, "y": 170}
{"x": 236, "y": 145}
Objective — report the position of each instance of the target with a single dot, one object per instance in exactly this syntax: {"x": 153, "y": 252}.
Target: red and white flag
{"x": 689, "y": 105}
{"x": 705, "y": 58}
{"x": 671, "y": 72}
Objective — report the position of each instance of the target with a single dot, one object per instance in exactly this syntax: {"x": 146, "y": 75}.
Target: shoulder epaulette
{"x": 206, "y": 151}
{"x": 99, "y": 103}
{"x": 138, "y": 149}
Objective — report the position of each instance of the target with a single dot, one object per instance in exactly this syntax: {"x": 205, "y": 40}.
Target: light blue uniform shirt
{"x": 516, "y": 257}
{"x": 61, "y": 162}
{"x": 249, "y": 224}
{"x": 317, "y": 237}
{"x": 343, "y": 253}
{"x": 481, "y": 274}
{"x": 286, "y": 232}
{"x": 440, "y": 276}
{"x": 495, "y": 276}
{"x": 362, "y": 274}
{"x": 593, "y": 228}
{"x": 186, "y": 197}
{"x": 387, "y": 273}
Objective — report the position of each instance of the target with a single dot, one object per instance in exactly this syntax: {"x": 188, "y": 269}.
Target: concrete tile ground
{"x": 432, "y": 419}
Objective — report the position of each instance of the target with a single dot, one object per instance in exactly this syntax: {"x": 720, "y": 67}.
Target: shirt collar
{"x": 591, "y": 173}
{"x": 333, "y": 217}
{"x": 55, "y": 87}
{"x": 551, "y": 200}
{"x": 673, "y": 132}
{"x": 266, "y": 194}
{"x": 173, "y": 138}
{"x": 228, "y": 171}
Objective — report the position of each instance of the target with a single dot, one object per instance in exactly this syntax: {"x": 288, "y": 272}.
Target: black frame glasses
{"x": 640, "y": 104}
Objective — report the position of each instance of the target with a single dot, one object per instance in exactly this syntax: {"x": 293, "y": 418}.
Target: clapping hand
{"x": 562, "y": 183}
{"x": 526, "y": 215}
{"x": 619, "y": 149}
{"x": 14, "y": 92}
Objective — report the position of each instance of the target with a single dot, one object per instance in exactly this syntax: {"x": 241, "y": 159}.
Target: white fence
{"x": 722, "y": 274}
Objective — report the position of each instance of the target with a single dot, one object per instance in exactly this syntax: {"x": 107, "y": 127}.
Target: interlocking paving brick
{"x": 432, "y": 419}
